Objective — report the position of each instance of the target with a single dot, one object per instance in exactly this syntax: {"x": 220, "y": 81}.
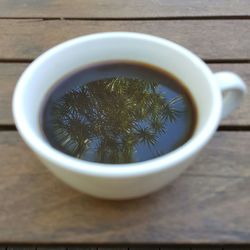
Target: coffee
{"x": 118, "y": 112}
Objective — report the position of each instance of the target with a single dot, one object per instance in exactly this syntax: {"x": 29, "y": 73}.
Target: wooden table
{"x": 209, "y": 203}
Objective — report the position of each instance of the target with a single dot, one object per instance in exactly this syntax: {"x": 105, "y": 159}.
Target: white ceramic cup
{"x": 215, "y": 95}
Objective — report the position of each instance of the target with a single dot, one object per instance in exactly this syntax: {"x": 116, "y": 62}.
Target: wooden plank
{"x": 9, "y": 73}
{"x": 26, "y": 39}
{"x": 209, "y": 203}
{"x": 117, "y": 8}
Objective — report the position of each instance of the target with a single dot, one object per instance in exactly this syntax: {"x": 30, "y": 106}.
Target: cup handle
{"x": 232, "y": 89}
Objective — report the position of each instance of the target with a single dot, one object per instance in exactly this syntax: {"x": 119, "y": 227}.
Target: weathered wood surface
{"x": 121, "y": 9}
{"x": 210, "y": 39}
{"x": 209, "y": 203}
{"x": 10, "y": 72}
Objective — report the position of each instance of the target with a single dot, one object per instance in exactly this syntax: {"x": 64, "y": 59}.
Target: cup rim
{"x": 169, "y": 160}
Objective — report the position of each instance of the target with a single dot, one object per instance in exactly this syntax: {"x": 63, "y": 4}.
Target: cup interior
{"x": 63, "y": 59}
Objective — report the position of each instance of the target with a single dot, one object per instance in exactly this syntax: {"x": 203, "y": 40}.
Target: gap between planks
{"x": 147, "y": 18}
{"x": 178, "y": 247}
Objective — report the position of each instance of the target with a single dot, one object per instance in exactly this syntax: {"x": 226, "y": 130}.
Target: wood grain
{"x": 26, "y": 39}
{"x": 209, "y": 203}
{"x": 117, "y": 8}
{"x": 10, "y": 72}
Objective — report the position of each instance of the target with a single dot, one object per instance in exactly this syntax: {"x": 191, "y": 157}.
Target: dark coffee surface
{"x": 118, "y": 112}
